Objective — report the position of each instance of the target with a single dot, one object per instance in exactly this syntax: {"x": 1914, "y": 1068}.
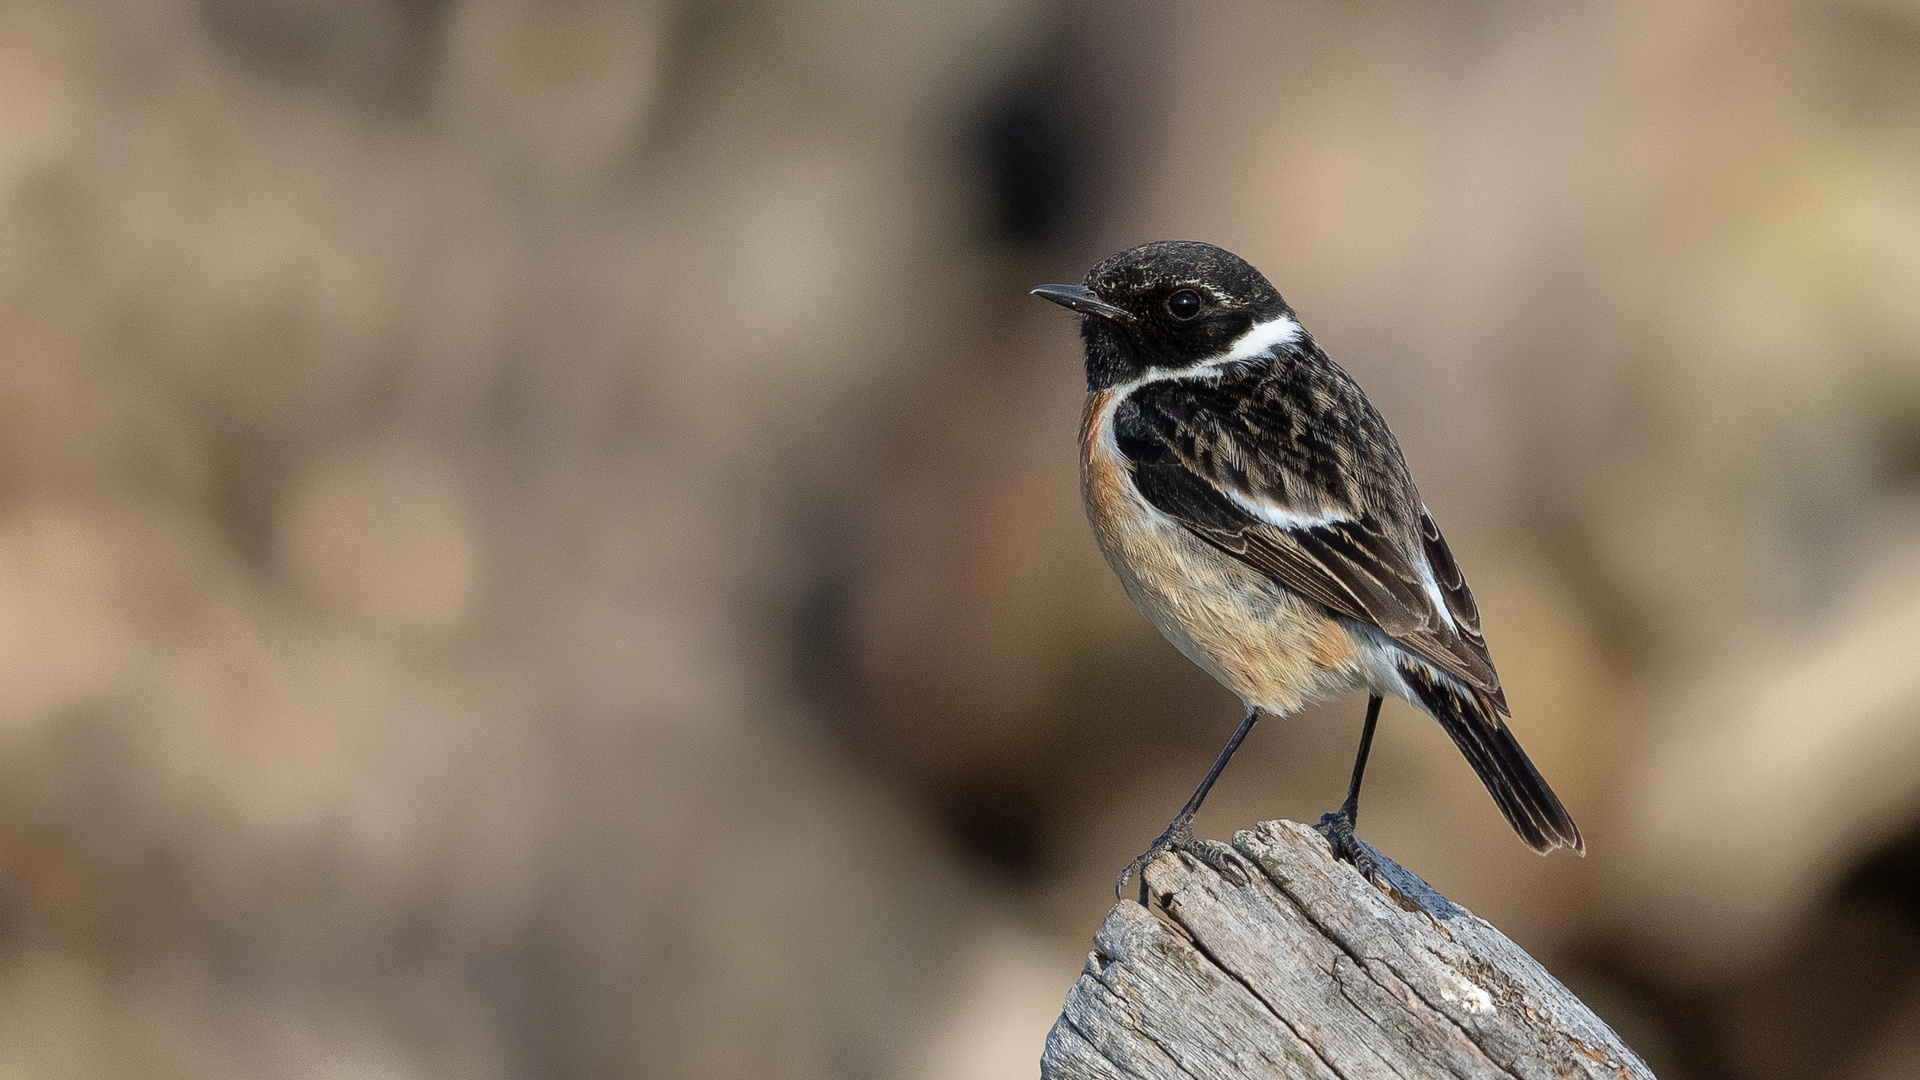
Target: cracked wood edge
{"x": 1310, "y": 971}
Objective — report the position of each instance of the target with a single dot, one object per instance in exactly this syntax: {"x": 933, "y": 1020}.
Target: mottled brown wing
{"x": 1210, "y": 478}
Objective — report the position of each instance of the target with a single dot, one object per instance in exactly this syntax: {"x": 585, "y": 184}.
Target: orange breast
{"x": 1266, "y": 644}
{"x": 1103, "y": 483}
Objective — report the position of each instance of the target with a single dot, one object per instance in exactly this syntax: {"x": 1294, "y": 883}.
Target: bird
{"x": 1258, "y": 511}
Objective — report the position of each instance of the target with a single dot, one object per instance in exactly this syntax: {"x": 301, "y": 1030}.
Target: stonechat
{"x": 1259, "y": 512}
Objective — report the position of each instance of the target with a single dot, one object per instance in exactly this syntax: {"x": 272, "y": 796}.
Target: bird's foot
{"x": 1337, "y": 827}
{"x": 1179, "y": 837}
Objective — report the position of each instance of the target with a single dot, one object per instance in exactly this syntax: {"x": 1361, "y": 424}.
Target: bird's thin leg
{"x": 1351, "y": 808}
{"x": 1338, "y": 826}
{"x": 1179, "y": 834}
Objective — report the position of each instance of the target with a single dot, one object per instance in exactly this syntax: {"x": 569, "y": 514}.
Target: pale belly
{"x": 1274, "y": 649}
{"x": 1262, "y": 642}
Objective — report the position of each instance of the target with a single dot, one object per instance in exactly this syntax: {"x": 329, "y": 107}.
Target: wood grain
{"x": 1311, "y": 971}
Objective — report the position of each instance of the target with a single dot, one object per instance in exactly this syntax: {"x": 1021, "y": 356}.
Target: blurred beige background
{"x": 541, "y": 539}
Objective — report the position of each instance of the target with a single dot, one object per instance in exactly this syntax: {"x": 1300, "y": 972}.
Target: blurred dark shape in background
{"x": 542, "y": 539}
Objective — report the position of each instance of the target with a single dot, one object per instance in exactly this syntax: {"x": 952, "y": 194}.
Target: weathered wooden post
{"x": 1311, "y": 971}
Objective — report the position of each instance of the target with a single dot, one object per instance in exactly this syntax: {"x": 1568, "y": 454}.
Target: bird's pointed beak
{"x": 1078, "y": 298}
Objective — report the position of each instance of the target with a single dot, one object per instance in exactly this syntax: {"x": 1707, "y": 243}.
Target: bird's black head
{"x": 1169, "y": 305}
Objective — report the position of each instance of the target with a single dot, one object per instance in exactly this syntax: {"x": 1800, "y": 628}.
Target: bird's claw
{"x": 1337, "y": 827}
{"x": 1179, "y": 837}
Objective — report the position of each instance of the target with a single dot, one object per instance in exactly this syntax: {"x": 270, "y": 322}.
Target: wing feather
{"x": 1356, "y": 562}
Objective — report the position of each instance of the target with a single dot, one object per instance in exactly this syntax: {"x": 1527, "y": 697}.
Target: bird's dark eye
{"x": 1184, "y": 304}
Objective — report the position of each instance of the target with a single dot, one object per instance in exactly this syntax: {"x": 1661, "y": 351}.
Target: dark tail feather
{"x": 1529, "y": 804}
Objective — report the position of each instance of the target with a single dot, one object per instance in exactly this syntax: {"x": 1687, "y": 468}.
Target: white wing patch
{"x": 1281, "y": 517}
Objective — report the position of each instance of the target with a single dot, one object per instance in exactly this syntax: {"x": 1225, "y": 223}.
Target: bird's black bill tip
{"x": 1079, "y": 298}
